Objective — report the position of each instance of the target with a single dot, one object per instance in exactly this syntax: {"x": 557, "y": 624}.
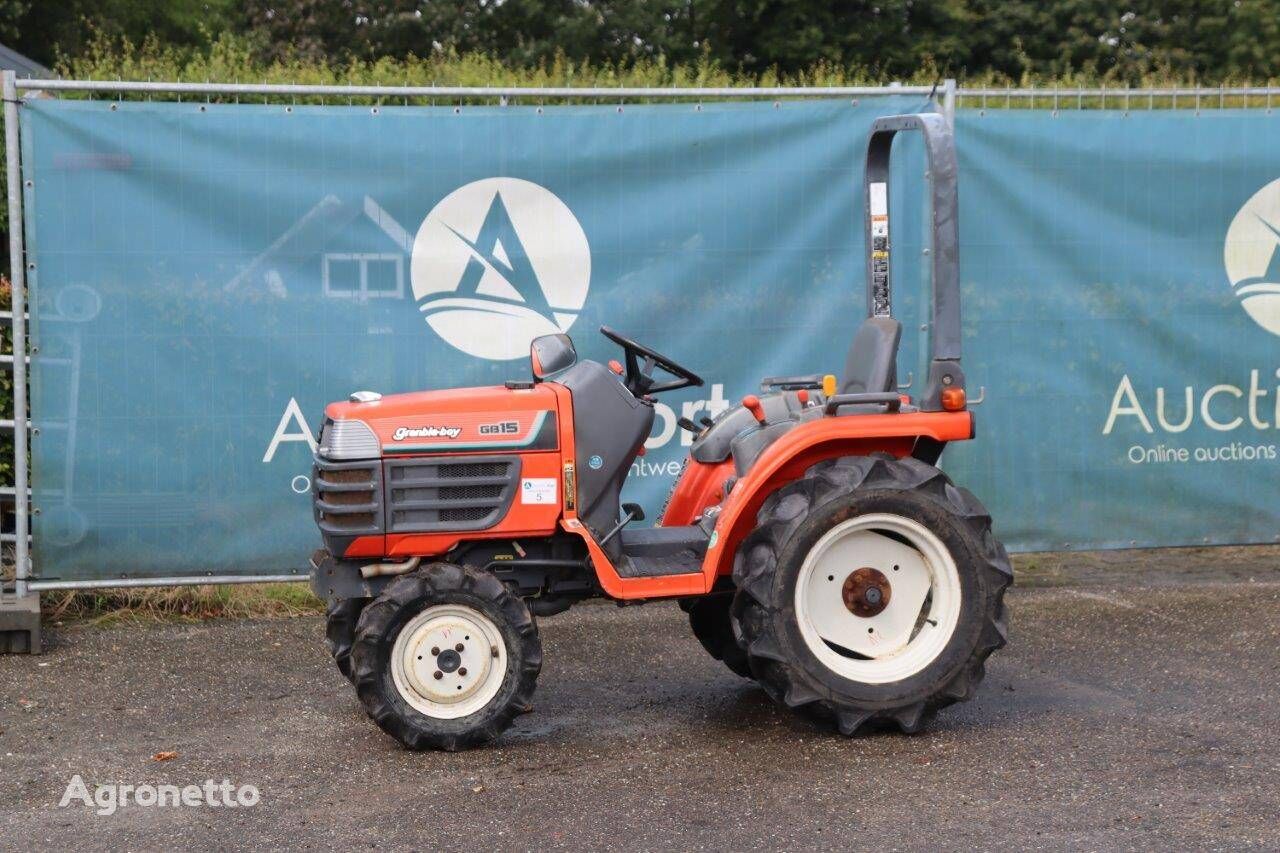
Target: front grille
{"x": 356, "y": 522}
{"x": 355, "y": 475}
{"x": 347, "y": 497}
{"x": 470, "y": 513}
{"x": 468, "y": 470}
{"x": 470, "y": 493}
{"x": 434, "y": 493}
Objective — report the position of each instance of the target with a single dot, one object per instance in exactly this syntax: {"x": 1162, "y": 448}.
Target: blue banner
{"x": 1122, "y": 302}
{"x": 206, "y": 277}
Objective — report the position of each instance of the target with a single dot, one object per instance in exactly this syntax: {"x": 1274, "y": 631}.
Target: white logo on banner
{"x": 1252, "y": 259}
{"x": 498, "y": 262}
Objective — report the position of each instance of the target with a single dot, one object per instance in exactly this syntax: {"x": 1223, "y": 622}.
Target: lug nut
{"x": 459, "y": 647}
{"x": 435, "y": 650}
{"x": 462, "y": 671}
{"x": 439, "y": 675}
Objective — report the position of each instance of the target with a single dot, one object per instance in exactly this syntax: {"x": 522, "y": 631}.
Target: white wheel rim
{"x": 923, "y": 598}
{"x": 468, "y": 678}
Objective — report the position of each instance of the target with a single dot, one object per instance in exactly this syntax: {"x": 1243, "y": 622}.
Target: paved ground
{"x": 1137, "y": 707}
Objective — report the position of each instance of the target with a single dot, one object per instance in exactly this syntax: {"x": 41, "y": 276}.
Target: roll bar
{"x": 940, "y": 147}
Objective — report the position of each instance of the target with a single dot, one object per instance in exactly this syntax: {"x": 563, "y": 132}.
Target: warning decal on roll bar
{"x": 879, "y": 199}
{"x": 878, "y": 209}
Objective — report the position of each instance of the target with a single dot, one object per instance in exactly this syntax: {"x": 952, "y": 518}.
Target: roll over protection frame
{"x": 940, "y": 149}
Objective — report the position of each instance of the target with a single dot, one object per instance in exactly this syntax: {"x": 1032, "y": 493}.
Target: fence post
{"x": 19, "y": 617}
{"x": 949, "y": 101}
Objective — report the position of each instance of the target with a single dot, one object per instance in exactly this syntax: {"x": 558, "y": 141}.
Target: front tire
{"x": 340, "y": 631}
{"x": 709, "y": 619}
{"x": 445, "y": 658}
{"x": 870, "y": 592}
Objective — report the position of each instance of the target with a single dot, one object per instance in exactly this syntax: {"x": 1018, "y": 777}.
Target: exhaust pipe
{"x": 375, "y": 570}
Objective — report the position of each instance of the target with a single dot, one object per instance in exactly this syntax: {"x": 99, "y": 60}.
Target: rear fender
{"x": 805, "y": 446}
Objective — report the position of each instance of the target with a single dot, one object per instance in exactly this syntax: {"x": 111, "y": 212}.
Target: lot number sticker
{"x": 538, "y": 490}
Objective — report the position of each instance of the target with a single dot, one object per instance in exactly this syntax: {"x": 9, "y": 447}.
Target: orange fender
{"x": 808, "y": 444}
{"x": 700, "y": 485}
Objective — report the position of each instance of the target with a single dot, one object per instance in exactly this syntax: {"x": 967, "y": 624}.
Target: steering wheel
{"x": 640, "y": 364}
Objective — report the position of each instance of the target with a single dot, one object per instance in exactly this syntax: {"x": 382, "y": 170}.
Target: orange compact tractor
{"x": 811, "y": 539}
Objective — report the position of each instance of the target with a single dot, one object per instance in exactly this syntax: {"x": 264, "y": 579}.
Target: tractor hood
{"x": 447, "y": 421}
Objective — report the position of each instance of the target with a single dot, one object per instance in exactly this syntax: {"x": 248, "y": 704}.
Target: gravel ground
{"x": 1135, "y": 707}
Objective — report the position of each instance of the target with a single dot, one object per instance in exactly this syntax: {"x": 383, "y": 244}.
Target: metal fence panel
{"x": 1120, "y": 300}
{"x": 207, "y": 276}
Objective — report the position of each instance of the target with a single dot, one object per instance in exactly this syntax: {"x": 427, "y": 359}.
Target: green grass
{"x": 180, "y": 603}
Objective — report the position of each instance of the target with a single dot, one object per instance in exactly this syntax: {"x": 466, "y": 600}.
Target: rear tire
{"x": 446, "y": 657}
{"x": 340, "y": 631}
{"x": 709, "y": 619}
{"x": 820, "y": 643}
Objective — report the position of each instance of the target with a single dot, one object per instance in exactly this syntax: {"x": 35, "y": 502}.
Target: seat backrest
{"x": 872, "y": 364}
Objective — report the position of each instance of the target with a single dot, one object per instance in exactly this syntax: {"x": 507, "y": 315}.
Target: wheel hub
{"x": 890, "y": 618}
{"x": 866, "y": 592}
{"x": 449, "y": 661}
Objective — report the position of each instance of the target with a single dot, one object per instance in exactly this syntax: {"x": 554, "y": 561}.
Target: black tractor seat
{"x": 870, "y": 371}
{"x": 871, "y": 367}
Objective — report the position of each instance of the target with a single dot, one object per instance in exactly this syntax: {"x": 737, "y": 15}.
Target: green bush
{"x": 232, "y": 58}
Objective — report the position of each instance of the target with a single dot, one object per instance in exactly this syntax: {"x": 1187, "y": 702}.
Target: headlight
{"x": 348, "y": 440}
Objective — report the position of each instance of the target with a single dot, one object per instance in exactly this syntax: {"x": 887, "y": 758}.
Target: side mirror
{"x": 633, "y": 510}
